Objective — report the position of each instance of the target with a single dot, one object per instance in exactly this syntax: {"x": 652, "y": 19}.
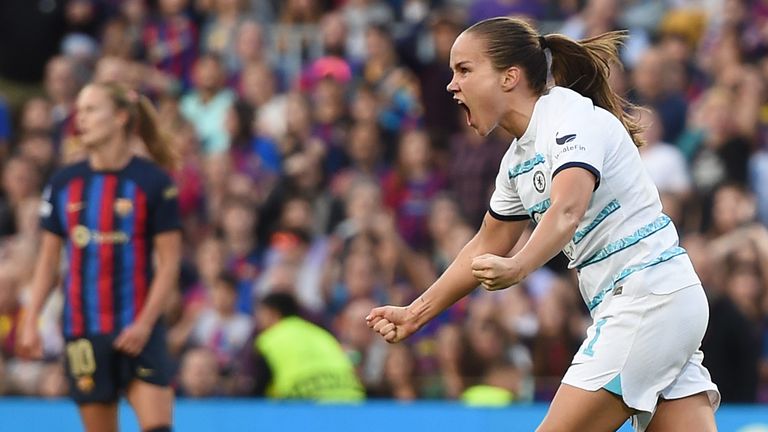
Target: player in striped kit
{"x": 115, "y": 214}
{"x": 573, "y": 168}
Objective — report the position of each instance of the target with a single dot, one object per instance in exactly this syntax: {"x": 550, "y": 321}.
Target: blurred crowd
{"x": 321, "y": 156}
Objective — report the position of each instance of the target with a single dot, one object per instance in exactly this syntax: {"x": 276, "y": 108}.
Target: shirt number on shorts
{"x": 81, "y": 358}
{"x": 589, "y": 350}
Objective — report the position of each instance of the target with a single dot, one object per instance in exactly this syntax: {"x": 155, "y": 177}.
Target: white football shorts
{"x": 644, "y": 346}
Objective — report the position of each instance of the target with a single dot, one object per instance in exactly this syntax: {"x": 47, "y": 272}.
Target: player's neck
{"x": 114, "y": 155}
{"x": 516, "y": 120}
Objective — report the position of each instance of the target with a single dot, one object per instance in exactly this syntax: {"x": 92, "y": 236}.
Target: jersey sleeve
{"x": 580, "y": 142}
{"x": 49, "y": 211}
{"x": 506, "y": 204}
{"x": 166, "y": 215}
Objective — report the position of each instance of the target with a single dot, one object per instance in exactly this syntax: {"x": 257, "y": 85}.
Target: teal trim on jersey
{"x": 590, "y": 349}
{"x": 614, "y": 385}
{"x": 630, "y": 240}
{"x": 540, "y": 207}
{"x": 604, "y": 213}
{"x": 526, "y": 166}
{"x": 625, "y": 273}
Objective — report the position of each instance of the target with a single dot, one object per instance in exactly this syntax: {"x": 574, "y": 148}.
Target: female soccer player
{"x": 117, "y": 214}
{"x": 574, "y": 169}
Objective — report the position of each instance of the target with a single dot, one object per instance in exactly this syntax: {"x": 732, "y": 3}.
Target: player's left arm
{"x": 165, "y": 224}
{"x": 168, "y": 258}
{"x": 570, "y": 196}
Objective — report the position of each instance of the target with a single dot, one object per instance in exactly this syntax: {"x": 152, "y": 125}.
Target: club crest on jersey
{"x": 123, "y": 206}
{"x": 85, "y": 383}
{"x": 539, "y": 181}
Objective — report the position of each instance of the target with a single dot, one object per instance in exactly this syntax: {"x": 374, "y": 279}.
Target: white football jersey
{"x": 624, "y": 231}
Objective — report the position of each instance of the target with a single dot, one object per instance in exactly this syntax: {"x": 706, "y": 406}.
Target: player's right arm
{"x": 43, "y": 281}
{"x": 494, "y": 237}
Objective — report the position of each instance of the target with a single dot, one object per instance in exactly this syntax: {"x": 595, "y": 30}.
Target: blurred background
{"x": 322, "y": 156}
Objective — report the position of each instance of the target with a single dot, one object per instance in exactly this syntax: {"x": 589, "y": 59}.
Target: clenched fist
{"x": 393, "y": 323}
{"x": 495, "y": 272}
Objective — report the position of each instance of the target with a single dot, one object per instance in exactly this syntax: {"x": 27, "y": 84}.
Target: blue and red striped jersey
{"x": 171, "y": 45}
{"x": 108, "y": 220}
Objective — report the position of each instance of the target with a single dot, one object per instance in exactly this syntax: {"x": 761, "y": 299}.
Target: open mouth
{"x": 466, "y": 112}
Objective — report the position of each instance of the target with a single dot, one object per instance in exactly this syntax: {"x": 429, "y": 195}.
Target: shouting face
{"x": 476, "y": 84}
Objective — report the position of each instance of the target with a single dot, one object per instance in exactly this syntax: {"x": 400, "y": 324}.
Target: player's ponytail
{"x": 144, "y": 122}
{"x": 157, "y": 142}
{"x": 582, "y": 66}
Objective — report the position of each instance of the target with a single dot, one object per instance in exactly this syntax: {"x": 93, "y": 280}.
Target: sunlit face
{"x": 414, "y": 151}
{"x": 97, "y": 117}
{"x": 237, "y": 221}
{"x": 475, "y": 83}
{"x": 223, "y": 297}
{"x": 172, "y": 7}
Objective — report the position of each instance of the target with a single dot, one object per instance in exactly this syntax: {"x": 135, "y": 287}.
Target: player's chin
{"x": 482, "y": 129}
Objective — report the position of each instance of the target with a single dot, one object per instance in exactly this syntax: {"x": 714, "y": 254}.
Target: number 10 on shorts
{"x": 81, "y": 358}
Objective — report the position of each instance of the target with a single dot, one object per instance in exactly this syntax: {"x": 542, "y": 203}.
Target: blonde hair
{"x": 143, "y": 121}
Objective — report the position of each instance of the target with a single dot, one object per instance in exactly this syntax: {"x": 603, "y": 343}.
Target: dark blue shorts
{"x": 97, "y": 372}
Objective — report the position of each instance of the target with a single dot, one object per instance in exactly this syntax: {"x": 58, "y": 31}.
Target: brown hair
{"x": 143, "y": 120}
{"x": 582, "y": 66}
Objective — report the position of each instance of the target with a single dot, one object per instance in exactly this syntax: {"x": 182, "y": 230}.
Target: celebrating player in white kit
{"x": 573, "y": 168}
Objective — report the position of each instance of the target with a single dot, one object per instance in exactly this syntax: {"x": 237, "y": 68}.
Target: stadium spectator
{"x": 61, "y": 87}
{"x": 198, "y": 375}
{"x": 664, "y": 162}
{"x": 284, "y": 344}
{"x": 295, "y": 249}
{"x": 400, "y": 374}
{"x": 443, "y": 29}
{"x": 220, "y": 327}
{"x": 651, "y": 87}
{"x": 170, "y": 40}
{"x": 469, "y": 171}
{"x": 36, "y": 116}
{"x": 20, "y": 181}
{"x": 38, "y": 148}
{"x": 364, "y": 150}
{"x": 220, "y": 32}
{"x": 367, "y": 354}
{"x": 410, "y": 185}
{"x": 207, "y": 104}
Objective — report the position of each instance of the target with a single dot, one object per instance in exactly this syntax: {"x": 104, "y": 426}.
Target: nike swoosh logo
{"x": 565, "y": 139}
{"x": 75, "y": 207}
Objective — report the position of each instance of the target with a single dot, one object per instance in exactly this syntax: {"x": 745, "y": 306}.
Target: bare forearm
{"x": 553, "y": 232}
{"x": 162, "y": 286}
{"x": 457, "y": 281}
{"x": 571, "y": 195}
